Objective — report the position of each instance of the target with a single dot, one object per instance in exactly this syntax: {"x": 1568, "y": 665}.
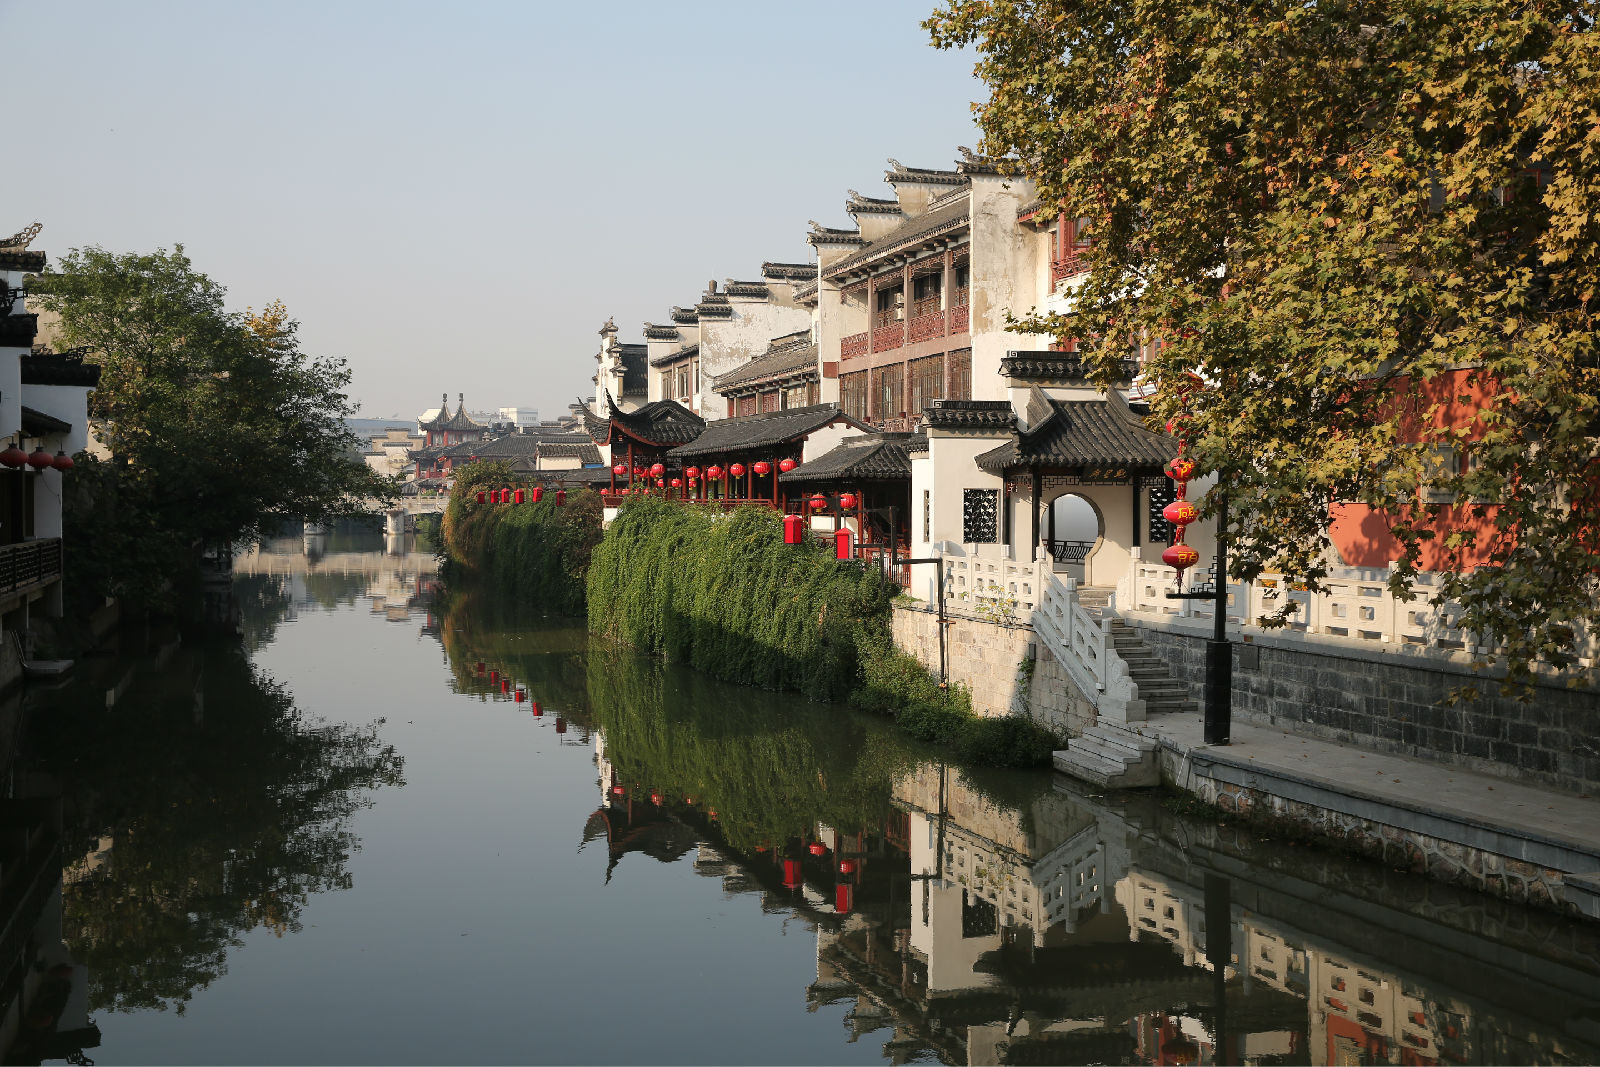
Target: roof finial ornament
{"x": 968, "y": 155}
{"x": 896, "y": 164}
{"x": 444, "y": 403}
{"x": 20, "y": 240}
{"x": 853, "y": 195}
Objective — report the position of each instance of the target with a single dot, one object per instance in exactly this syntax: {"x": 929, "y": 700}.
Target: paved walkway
{"x": 1536, "y": 813}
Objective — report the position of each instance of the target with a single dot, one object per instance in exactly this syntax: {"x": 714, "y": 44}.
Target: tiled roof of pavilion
{"x": 508, "y": 447}
{"x": 765, "y": 431}
{"x": 685, "y": 316}
{"x": 459, "y": 421}
{"x": 870, "y": 205}
{"x": 969, "y": 415}
{"x": 1081, "y": 433}
{"x": 735, "y": 287}
{"x": 676, "y": 354}
{"x": 583, "y": 451}
{"x": 873, "y": 457}
{"x": 785, "y": 356}
{"x": 661, "y": 422}
{"x": 934, "y": 222}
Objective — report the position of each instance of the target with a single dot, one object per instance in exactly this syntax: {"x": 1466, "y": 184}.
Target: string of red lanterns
{"x": 1181, "y": 512}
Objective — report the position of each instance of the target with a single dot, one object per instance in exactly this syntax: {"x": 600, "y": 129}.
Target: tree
{"x": 219, "y": 426}
{"x": 1352, "y": 220}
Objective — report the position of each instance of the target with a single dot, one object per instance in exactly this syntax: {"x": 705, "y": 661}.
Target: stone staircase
{"x": 1161, "y": 692}
{"x": 1114, "y": 755}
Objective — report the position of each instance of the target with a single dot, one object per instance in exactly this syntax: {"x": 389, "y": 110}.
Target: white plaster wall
{"x": 952, "y": 469}
{"x": 823, "y": 441}
{"x": 1004, "y": 278}
{"x": 69, "y": 403}
{"x": 727, "y": 344}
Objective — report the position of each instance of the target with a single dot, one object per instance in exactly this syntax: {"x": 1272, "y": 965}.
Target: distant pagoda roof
{"x": 458, "y": 421}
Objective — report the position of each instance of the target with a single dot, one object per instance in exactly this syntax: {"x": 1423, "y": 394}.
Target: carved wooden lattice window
{"x": 853, "y": 395}
{"x": 979, "y": 510}
{"x": 1162, "y": 493}
{"x": 959, "y": 369}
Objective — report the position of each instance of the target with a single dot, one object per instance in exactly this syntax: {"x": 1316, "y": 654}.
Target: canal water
{"x": 392, "y": 825}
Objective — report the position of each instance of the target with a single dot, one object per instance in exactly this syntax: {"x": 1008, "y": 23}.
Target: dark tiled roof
{"x": 59, "y": 368}
{"x": 507, "y": 447}
{"x": 796, "y": 272}
{"x": 635, "y": 371}
{"x": 29, "y": 261}
{"x": 584, "y": 452}
{"x": 951, "y": 216}
{"x": 592, "y": 476}
{"x": 446, "y": 421}
{"x": 673, "y": 356}
{"x": 832, "y": 235}
{"x": 37, "y": 422}
{"x": 18, "y": 331}
{"x": 714, "y": 306}
{"x": 786, "y": 357}
{"x": 1055, "y": 367}
{"x": 765, "y": 431}
{"x": 970, "y": 415}
{"x": 1080, "y": 433}
{"x": 809, "y": 289}
{"x": 653, "y": 332}
{"x": 870, "y": 205}
{"x": 877, "y": 457}
{"x": 662, "y": 422}
{"x": 685, "y": 316}
{"x": 738, "y": 288}
{"x": 598, "y": 429}
{"x": 899, "y": 172}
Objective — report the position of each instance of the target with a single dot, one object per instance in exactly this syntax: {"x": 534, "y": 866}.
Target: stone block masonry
{"x": 1001, "y": 664}
{"x": 1397, "y": 705}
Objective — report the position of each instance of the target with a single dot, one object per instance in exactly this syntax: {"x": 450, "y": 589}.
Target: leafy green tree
{"x": 1328, "y": 211}
{"x": 218, "y": 425}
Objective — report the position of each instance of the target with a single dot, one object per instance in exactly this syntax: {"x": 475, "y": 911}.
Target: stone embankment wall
{"x": 1002, "y": 664}
{"x": 1396, "y": 704}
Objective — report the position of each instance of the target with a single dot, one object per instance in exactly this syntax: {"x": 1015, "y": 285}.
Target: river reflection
{"x": 598, "y": 858}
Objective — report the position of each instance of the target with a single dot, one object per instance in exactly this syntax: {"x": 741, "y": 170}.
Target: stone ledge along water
{"x": 446, "y": 828}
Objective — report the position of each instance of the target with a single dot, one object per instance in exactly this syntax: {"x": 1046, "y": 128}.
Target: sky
{"x": 455, "y": 197}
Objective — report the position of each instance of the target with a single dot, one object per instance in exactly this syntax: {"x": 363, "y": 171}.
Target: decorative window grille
{"x": 769, "y": 401}
{"x": 980, "y": 508}
{"x": 853, "y": 395}
{"x": 747, "y": 405}
{"x": 927, "y": 515}
{"x": 889, "y": 391}
{"x": 1162, "y": 493}
{"x": 960, "y": 372}
{"x": 927, "y": 382}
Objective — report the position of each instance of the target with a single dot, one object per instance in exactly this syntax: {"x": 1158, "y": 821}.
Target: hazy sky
{"x": 454, "y": 196}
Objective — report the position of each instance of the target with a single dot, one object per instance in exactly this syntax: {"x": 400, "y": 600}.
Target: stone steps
{"x": 1111, "y": 757}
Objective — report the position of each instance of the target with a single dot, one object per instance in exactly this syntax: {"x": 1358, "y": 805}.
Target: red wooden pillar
{"x": 630, "y": 465}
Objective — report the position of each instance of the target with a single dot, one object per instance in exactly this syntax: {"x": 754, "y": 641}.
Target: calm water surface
{"x": 353, "y": 842}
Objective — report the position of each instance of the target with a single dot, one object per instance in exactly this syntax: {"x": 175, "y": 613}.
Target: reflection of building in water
{"x": 44, "y": 994}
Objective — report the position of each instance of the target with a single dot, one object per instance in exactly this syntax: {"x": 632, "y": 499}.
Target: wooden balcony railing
{"x": 855, "y": 344}
{"x": 29, "y": 564}
{"x": 882, "y": 319}
{"x": 926, "y": 326}
{"x": 959, "y": 317}
{"x": 1076, "y": 263}
{"x": 889, "y": 337}
{"x": 928, "y": 305}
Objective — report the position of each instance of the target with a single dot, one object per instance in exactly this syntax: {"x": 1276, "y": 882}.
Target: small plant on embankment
{"x": 537, "y": 552}
{"x": 724, "y": 594}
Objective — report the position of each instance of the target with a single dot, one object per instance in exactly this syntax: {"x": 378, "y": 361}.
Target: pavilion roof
{"x": 873, "y": 457}
{"x": 1079, "y": 433}
{"x": 658, "y": 423}
{"x": 765, "y": 431}
{"x": 459, "y": 421}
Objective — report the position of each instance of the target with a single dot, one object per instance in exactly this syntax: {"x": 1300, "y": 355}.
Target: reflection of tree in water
{"x": 224, "y": 811}
{"x": 264, "y": 601}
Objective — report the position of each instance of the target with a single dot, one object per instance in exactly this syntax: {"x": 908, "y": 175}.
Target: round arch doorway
{"x": 1073, "y": 531}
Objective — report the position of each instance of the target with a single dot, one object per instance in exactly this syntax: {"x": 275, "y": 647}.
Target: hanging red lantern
{"x": 819, "y": 502}
{"x": 1180, "y": 512}
{"x": 713, "y": 472}
{"x": 737, "y": 470}
{"x": 818, "y": 848}
{"x": 841, "y": 543}
{"x": 847, "y": 501}
{"x": 1180, "y": 557}
{"x": 791, "y": 874}
{"x": 521, "y": 496}
{"x": 494, "y": 677}
{"x": 787, "y": 465}
{"x": 657, "y": 470}
{"x": 677, "y": 483}
{"x": 13, "y": 457}
{"x": 618, "y": 791}
{"x": 694, "y": 483}
{"x": 521, "y": 695}
{"x": 538, "y": 493}
{"x": 847, "y": 866}
{"x": 505, "y": 685}
{"x": 505, "y": 495}
{"x": 1181, "y": 469}
{"x": 661, "y": 483}
{"x": 620, "y": 470}
{"x": 62, "y": 462}
{"x": 478, "y": 669}
{"x": 561, "y": 498}
{"x": 794, "y": 529}
{"x": 761, "y": 467}
{"x": 482, "y": 496}
{"x": 841, "y": 900}
{"x": 655, "y": 798}
{"x": 622, "y": 492}
{"x": 691, "y": 472}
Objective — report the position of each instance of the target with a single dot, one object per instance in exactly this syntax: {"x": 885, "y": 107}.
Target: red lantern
{"x": 482, "y": 496}
{"x": 694, "y": 483}
{"x": 618, "y": 791}
{"x": 657, "y": 470}
{"x": 13, "y": 457}
{"x": 713, "y": 472}
{"x": 692, "y": 472}
{"x": 677, "y": 483}
{"x": 1180, "y": 556}
{"x": 479, "y": 668}
{"x": 505, "y": 495}
{"x": 538, "y": 712}
{"x": 661, "y": 483}
{"x": 737, "y": 470}
{"x": 522, "y": 694}
{"x": 847, "y": 501}
{"x": 841, "y": 901}
{"x": 841, "y": 543}
{"x": 494, "y": 677}
{"x": 62, "y": 462}
{"x": 655, "y": 798}
{"x": 847, "y": 866}
{"x": 819, "y": 502}
{"x": 622, "y": 492}
{"x": 620, "y": 470}
{"x": 787, "y": 465}
{"x": 791, "y": 874}
{"x": 538, "y": 493}
{"x": 794, "y": 529}
{"x": 561, "y": 498}
{"x": 818, "y": 848}
{"x": 521, "y": 497}
{"x": 761, "y": 467}
{"x": 505, "y": 685}
{"x": 1181, "y": 469}
{"x": 1180, "y": 512}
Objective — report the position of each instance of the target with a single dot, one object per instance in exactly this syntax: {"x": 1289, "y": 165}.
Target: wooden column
{"x": 1037, "y": 482}
{"x": 1135, "y": 481}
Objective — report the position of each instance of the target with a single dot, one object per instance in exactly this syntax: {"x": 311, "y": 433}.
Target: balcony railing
{"x": 959, "y": 317}
{"x": 928, "y": 305}
{"x": 855, "y": 345}
{"x": 889, "y": 337}
{"x": 882, "y": 319}
{"x": 1075, "y": 263}
{"x": 29, "y": 564}
{"x": 927, "y": 326}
